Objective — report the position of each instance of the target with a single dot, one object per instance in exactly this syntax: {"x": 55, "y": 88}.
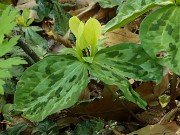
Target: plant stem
{"x": 173, "y": 91}
{"x": 28, "y": 50}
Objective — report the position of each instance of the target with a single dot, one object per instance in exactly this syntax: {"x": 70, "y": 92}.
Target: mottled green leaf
{"x": 160, "y": 36}
{"x": 38, "y": 43}
{"x": 112, "y": 77}
{"x": 112, "y": 65}
{"x": 49, "y": 86}
{"x": 43, "y": 8}
{"x": 130, "y": 10}
{"x": 61, "y": 17}
{"x": 129, "y": 60}
{"x": 109, "y": 3}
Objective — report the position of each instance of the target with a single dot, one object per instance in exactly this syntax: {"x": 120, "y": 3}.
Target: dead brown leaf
{"x": 158, "y": 129}
{"x": 121, "y": 35}
{"x": 23, "y": 4}
{"x": 106, "y": 107}
{"x": 164, "y": 85}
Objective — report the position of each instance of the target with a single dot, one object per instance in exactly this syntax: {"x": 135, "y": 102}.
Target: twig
{"x": 63, "y": 40}
{"x": 173, "y": 91}
{"x": 28, "y": 50}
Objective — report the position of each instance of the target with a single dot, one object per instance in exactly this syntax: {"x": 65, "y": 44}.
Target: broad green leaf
{"x": 160, "y": 36}
{"x": 112, "y": 77}
{"x": 129, "y": 60}
{"x": 49, "y": 86}
{"x": 131, "y": 9}
{"x": 109, "y": 3}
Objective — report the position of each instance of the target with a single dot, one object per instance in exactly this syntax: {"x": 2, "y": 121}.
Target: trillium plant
{"x": 56, "y": 82}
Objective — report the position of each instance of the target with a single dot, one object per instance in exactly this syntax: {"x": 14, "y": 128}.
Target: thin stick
{"x": 63, "y": 40}
{"x": 28, "y": 50}
{"x": 173, "y": 91}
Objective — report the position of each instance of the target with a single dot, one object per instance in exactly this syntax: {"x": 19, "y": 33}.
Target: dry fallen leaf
{"x": 106, "y": 107}
{"x": 158, "y": 129}
{"x": 24, "y": 4}
{"x": 28, "y": 4}
{"x": 165, "y": 126}
{"x": 164, "y": 85}
{"x": 120, "y": 36}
